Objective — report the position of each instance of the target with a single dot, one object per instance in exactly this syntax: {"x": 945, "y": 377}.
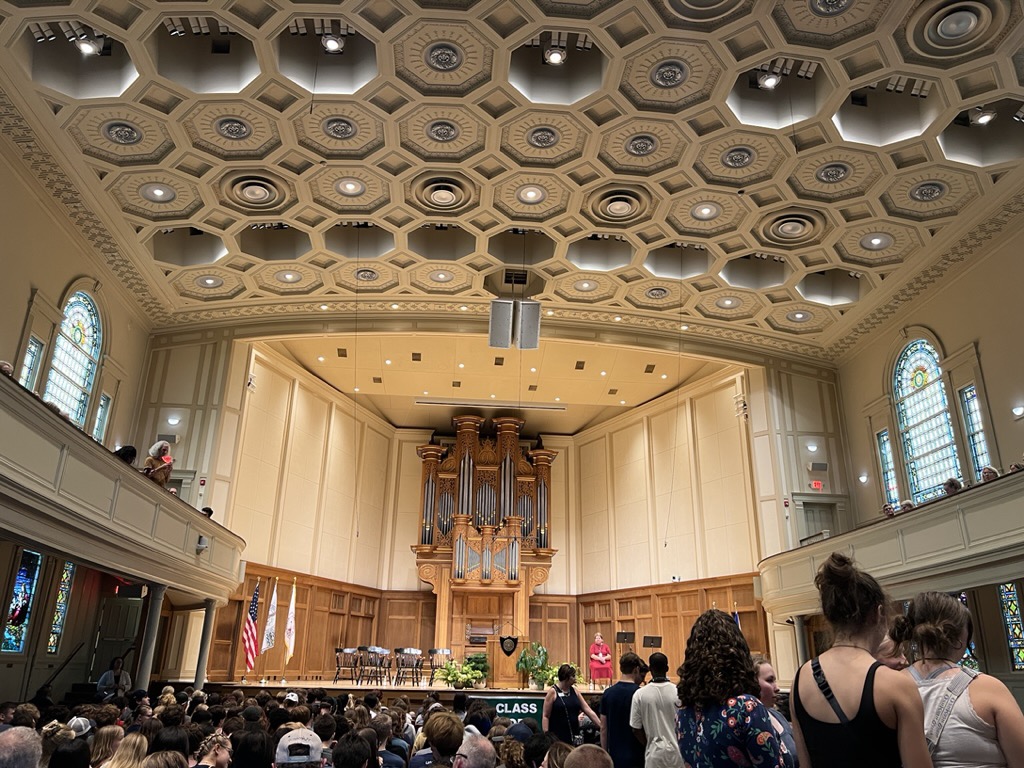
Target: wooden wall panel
{"x": 407, "y": 620}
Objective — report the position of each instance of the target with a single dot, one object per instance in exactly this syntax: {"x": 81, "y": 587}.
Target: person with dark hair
{"x": 253, "y": 749}
{"x": 652, "y": 715}
{"x": 170, "y": 738}
{"x": 769, "y": 695}
{"x": 351, "y": 752}
{"x": 459, "y": 701}
{"x": 381, "y": 726}
{"x": 849, "y": 709}
{"x": 973, "y": 719}
{"x": 721, "y": 721}
{"x": 115, "y": 681}
{"x": 562, "y": 706}
{"x": 616, "y": 703}
{"x": 536, "y": 748}
{"x": 72, "y": 754}
{"x": 127, "y": 454}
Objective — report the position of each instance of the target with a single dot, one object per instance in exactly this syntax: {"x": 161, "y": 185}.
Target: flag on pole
{"x": 736, "y": 618}
{"x": 289, "y": 629}
{"x": 249, "y": 630}
{"x": 270, "y": 630}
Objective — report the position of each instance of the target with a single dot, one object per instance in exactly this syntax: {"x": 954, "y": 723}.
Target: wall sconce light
{"x": 1018, "y": 411}
{"x": 863, "y": 477}
{"x": 174, "y": 420}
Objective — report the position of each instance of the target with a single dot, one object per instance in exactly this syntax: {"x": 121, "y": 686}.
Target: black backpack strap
{"x": 826, "y": 691}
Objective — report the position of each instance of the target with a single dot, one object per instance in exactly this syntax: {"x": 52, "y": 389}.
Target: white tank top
{"x": 967, "y": 741}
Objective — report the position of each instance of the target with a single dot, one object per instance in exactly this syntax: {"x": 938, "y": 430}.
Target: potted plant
{"x": 478, "y": 661}
{"x": 533, "y": 661}
{"x": 551, "y": 673}
{"x": 457, "y": 674}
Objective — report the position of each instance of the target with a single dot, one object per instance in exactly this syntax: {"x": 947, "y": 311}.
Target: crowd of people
{"x": 951, "y": 487}
{"x": 885, "y": 693}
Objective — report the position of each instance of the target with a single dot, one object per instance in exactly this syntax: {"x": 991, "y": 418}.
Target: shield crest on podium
{"x": 508, "y": 644}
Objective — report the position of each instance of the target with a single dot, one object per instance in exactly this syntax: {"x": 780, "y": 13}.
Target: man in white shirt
{"x": 652, "y": 717}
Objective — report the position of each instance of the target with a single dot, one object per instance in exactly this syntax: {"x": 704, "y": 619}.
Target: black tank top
{"x": 862, "y": 740}
{"x": 564, "y": 720}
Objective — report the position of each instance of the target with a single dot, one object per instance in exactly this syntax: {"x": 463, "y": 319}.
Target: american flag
{"x": 249, "y": 631}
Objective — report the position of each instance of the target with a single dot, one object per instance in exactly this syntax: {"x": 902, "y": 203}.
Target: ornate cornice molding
{"x": 45, "y": 168}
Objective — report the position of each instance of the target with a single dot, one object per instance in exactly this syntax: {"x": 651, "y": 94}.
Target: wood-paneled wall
{"x": 329, "y": 614}
{"x": 669, "y": 611}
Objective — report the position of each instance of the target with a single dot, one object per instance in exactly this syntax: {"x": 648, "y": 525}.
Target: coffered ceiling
{"x": 230, "y": 169}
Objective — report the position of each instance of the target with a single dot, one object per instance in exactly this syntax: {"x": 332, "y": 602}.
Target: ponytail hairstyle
{"x": 933, "y": 627}
{"x": 850, "y": 597}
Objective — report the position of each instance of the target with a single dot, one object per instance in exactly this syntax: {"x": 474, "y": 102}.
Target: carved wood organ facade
{"x": 484, "y": 539}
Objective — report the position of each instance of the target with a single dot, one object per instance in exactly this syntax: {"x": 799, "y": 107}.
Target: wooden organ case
{"x": 484, "y": 540}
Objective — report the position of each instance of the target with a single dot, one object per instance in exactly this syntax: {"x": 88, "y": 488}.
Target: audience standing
{"x": 652, "y": 716}
{"x": 769, "y": 695}
{"x": 616, "y": 703}
{"x": 562, "y": 706}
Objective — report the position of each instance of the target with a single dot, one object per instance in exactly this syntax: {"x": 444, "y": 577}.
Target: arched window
{"x": 76, "y": 354}
{"x": 923, "y": 419}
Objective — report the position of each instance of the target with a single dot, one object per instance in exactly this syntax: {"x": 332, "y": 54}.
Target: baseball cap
{"x": 519, "y": 732}
{"x": 299, "y": 746}
{"x": 140, "y": 694}
{"x": 80, "y": 726}
{"x": 293, "y": 697}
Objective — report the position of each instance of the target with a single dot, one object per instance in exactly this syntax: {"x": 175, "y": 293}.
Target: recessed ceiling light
{"x": 492, "y": 397}
{"x": 174, "y": 420}
{"x": 1018, "y": 410}
{"x": 441, "y": 276}
{"x": 425, "y": 392}
{"x": 982, "y": 116}
{"x": 617, "y": 318}
{"x": 799, "y": 316}
{"x": 727, "y": 302}
{"x": 550, "y": 312}
{"x": 462, "y": 365}
{"x": 286, "y": 276}
{"x": 394, "y": 306}
{"x": 155, "y": 192}
{"x": 684, "y": 327}
{"x": 533, "y": 370}
{"x": 332, "y": 43}
{"x": 387, "y": 362}
{"x": 323, "y": 306}
{"x": 463, "y": 308}
{"x": 355, "y": 389}
{"x": 706, "y": 211}
{"x": 812, "y": 447}
{"x": 531, "y": 194}
{"x": 622, "y": 402}
{"x": 604, "y": 373}
{"x": 89, "y": 45}
{"x": 349, "y": 187}
{"x": 558, "y": 399}
{"x": 863, "y": 478}
{"x": 585, "y": 286}
{"x": 320, "y": 358}
{"x": 664, "y": 375}
{"x": 209, "y": 281}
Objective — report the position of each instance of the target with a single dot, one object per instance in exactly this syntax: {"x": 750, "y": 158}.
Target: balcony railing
{"x": 971, "y": 539}
{"x": 63, "y": 492}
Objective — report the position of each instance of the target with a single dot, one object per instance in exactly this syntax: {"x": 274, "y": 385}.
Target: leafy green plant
{"x": 532, "y": 662}
{"x": 551, "y": 673}
{"x": 478, "y": 661}
{"x": 457, "y": 674}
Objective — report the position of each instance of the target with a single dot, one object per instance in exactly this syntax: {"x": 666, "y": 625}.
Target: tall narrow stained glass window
{"x": 30, "y": 365}
{"x": 892, "y": 489}
{"x": 99, "y": 431}
{"x": 926, "y": 429}
{"x": 975, "y": 430}
{"x": 60, "y": 608}
{"x": 1012, "y": 622}
{"x": 76, "y": 354}
{"x": 970, "y": 659}
{"x": 20, "y": 605}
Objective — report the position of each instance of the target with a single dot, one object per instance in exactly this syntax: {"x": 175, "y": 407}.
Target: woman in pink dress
{"x": 600, "y": 661}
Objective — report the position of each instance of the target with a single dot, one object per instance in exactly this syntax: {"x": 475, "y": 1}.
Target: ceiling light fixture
{"x": 812, "y": 447}
{"x": 89, "y": 45}
{"x": 323, "y": 307}
{"x": 1018, "y": 411}
{"x": 394, "y": 306}
{"x": 462, "y": 365}
{"x": 320, "y": 358}
{"x": 463, "y": 308}
{"x": 664, "y": 375}
{"x": 863, "y": 478}
{"x": 387, "y": 362}
{"x": 767, "y": 81}
{"x": 174, "y": 420}
{"x": 982, "y": 116}
{"x": 332, "y": 43}
{"x": 555, "y": 56}
{"x": 533, "y": 370}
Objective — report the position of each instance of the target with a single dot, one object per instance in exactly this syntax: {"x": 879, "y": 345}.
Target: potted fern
{"x": 478, "y": 661}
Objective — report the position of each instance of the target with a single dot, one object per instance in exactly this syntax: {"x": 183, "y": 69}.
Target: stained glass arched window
{"x": 925, "y": 426}
{"x": 1012, "y": 621}
{"x": 76, "y": 354}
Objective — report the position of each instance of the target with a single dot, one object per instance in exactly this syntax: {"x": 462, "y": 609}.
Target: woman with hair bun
{"x": 849, "y": 709}
{"x": 971, "y": 720}
{"x": 722, "y": 723}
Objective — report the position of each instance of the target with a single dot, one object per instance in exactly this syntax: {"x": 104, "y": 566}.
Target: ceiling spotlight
{"x": 173, "y": 420}
{"x": 812, "y": 448}
{"x": 558, "y": 399}
{"x": 1018, "y": 411}
{"x": 617, "y": 318}
{"x": 394, "y": 306}
{"x": 323, "y": 307}
{"x": 492, "y": 397}
{"x": 387, "y": 362}
{"x": 684, "y": 327}
{"x": 554, "y": 55}
{"x": 550, "y": 312}
{"x": 462, "y": 365}
{"x": 355, "y": 389}
{"x": 89, "y": 45}
{"x": 463, "y": 308}
{"x": 664, "y": 375}
{"x": 622, "y": 402}
{"x": 332, "y": 43}
{"x": 982, "y": 116}
{"x": 1019, "y": 115}
{"x": 604, "y": 373}
{"x": 767, "y": 81}
{"x": 320, "y": 358}
{"x": 533, "y": 370}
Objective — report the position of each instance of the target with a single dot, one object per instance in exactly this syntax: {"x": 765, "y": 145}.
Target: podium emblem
{"x": 508, "y": 644}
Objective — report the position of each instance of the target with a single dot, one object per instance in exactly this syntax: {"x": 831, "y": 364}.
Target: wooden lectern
{"x": 503, "y": 668}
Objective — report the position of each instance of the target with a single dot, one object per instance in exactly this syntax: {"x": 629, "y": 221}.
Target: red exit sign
{"x": 817, "y": 485}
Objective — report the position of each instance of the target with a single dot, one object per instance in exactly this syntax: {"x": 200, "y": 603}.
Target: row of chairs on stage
{"x": 373, "y": 665}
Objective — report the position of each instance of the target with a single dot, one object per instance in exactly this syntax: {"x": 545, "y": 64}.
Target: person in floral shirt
{"x": 722, "y": 723}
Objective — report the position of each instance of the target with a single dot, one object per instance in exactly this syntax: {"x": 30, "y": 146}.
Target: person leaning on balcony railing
{"x": 989, "y": 473}
{"x": 951, "y": 486}
{"x": 158, "y": 464}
